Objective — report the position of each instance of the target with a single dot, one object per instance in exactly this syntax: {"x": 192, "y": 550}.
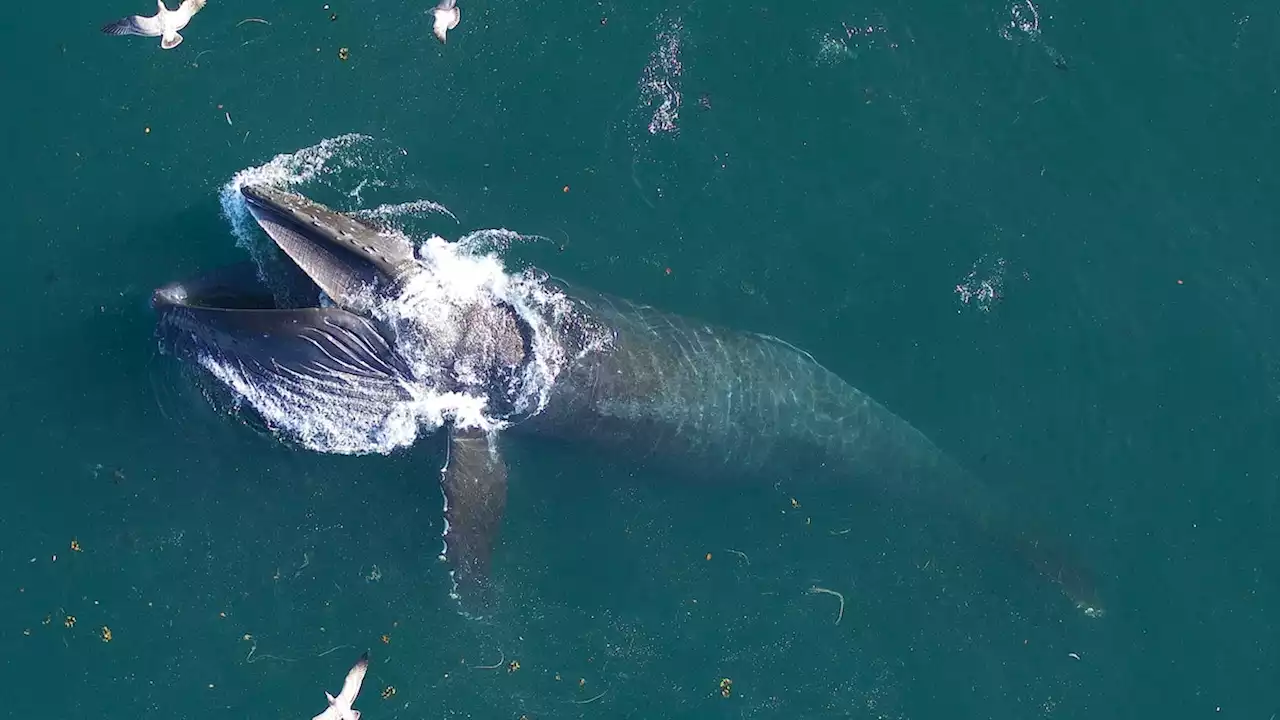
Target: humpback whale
{"x": 589, "y": 369}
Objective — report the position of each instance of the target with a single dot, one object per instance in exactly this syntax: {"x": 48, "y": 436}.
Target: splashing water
{"x": 1024, "y": 22}
{"x": 393, "y": 211}
{"x": 1023, "y": 18}
{"x": 424, "y": 322}
{"x": 983, "y": 285}
{"x": 660, "y": 82}
{"x": 834, "y": 48}
{"x": 428, "y": 318}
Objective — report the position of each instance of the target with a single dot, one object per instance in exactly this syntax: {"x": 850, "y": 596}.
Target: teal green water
{"x": 1109, "y": 172}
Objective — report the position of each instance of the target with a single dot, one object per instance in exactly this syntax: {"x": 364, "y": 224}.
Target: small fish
{"x": 340, "y": 707}
{"x": 165, "y": 24}
{"x": 447, "y": 16}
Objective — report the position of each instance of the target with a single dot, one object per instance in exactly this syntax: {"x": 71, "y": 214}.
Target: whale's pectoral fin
{"x": 474, "y": 480}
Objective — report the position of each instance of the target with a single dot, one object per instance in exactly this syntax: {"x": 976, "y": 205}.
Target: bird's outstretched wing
{"x": 137, "y": 25}
{"x": 355, "y": 676}
{"x": 187, "y": 9}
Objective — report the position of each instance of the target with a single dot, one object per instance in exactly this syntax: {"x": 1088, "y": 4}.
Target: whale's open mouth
{"x": 304, "y": 349}
{"x": 352, "y": 341}
{"x": 293, "y": 330}
{"x": 223, "y": 316}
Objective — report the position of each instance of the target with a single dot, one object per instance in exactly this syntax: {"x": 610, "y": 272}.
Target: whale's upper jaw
{"x": 350, "y": 261}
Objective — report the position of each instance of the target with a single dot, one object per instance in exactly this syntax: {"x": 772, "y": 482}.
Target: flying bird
{"x": 340, "y": 707}
{"x": 165, "y": 24}
{"x": 447, "y": 16}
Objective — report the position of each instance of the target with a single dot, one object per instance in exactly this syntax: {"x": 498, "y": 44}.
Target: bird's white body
{"x": 165, "y": 24}
{"x": 340, "y": 707}
{"x": 447, "y": 15}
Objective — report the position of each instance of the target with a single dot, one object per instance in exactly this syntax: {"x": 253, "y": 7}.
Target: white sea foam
{"x": 392, "y": 211}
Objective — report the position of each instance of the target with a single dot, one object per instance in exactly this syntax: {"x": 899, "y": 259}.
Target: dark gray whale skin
{"x": 638, "y": 383}
{"x": 675, "y": 392}
{"x": 700, "y": 400}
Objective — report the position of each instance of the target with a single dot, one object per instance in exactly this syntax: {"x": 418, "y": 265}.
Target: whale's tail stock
{"x": 1011, "y": 530}
{"x": 1053, "y": 560}
{"x": 1059, "y": 565}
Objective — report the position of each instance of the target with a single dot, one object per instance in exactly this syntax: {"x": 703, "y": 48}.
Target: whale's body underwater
{"x": 640, "y": 383}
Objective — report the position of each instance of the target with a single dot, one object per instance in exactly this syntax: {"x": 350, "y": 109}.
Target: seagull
{"x": 165, "y": 24}
{"x": 340, "y": 707}
{"x": 447, "y": 16}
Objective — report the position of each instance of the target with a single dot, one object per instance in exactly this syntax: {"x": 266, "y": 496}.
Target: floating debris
{"x": 499, "y": 664}
{"x": 590, "y": 699}
{"x": 824, "y": 591}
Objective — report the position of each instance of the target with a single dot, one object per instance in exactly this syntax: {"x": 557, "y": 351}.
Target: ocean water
{"x": 1041, "y": 232}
